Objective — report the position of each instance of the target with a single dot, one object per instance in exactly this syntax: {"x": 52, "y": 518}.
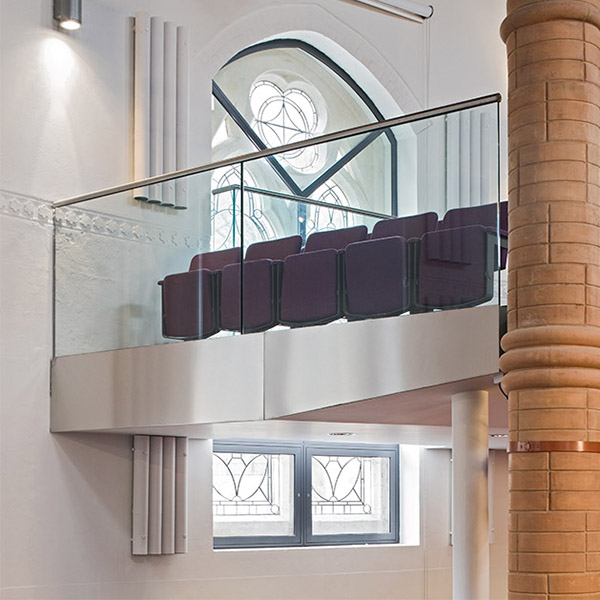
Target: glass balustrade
{"x": 364, "y": 233}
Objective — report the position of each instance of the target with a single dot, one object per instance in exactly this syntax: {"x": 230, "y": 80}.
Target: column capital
{"x": 541, "y": 11}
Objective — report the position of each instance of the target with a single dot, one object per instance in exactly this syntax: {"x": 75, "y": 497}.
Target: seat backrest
{"x": 407, "y": 227}
{"x": 485, "y": 215}
{"x": 336, "y": 239}
{"x": 215, "y": 261}
{"x": 274, "y": 249}
{"x": 463, "y": 245}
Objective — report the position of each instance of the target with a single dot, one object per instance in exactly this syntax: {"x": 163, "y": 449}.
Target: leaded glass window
{"x": 304, "y": 494}
{"x": 350, "y": 494}
{"x": 283, "y": 117}
{"x": 225, "y": 211}
{"x": 284, "y": 91}
{"x": 321, "y": 218}
{"x": 253, "y": 494}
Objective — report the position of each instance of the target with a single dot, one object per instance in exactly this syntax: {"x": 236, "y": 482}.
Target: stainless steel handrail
{"x": 322, "y": 139}
{"x": 294, "y": 198}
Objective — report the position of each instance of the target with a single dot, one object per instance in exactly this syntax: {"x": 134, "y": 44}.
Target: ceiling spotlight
{"x": 67, "y": 13}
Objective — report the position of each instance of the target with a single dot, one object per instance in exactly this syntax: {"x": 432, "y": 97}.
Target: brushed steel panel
{"x": 308, "y": 369}
{"x": 205, "y": 381}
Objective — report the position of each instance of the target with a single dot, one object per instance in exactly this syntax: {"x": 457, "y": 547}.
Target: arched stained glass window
{"x": 285, "y": 91}
{"x": 285, "y": 117}
{"x": 321, "y": 218}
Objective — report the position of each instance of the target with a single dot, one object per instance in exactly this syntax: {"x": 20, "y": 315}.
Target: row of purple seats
{"x": 312, "y": 282}
{"x": 190, "y": 299}
{"x": 377, "y": 270}
{"x": 261, "y": 275}
{"x": 206, "y": 299}
{"x": 410, "y": 263}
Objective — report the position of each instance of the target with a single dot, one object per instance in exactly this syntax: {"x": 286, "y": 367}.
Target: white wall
{"x": 65, "y": 128}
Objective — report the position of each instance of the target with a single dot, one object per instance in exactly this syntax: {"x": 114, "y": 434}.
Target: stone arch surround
{"x": 322, "y": 29}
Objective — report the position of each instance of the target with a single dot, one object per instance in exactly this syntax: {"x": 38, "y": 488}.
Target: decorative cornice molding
{"x": 25, "y": 207}
{"x": 70, "y": 220}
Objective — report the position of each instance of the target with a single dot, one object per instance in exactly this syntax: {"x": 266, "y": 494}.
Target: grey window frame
{"x": 303, "y": 453}
{"x": 267, "y": 541}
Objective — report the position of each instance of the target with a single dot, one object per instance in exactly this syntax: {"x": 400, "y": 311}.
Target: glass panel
{"x": 226, "y": 206}
{"x": 111, "y": 252}
{"x": 253, "y": 494}
{"x": 350, "y": 495}
{"x": 125, "y": 272}
{"x": 456, "y": 156}
{"x": 307, "y": 97}
{"x": 289, "y": 205}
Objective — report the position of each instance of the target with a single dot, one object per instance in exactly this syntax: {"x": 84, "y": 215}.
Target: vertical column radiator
{"x": 161, "y": 107}
{"x": 160, "y": 510}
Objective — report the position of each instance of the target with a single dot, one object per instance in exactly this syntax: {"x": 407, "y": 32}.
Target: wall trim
{"x": 73, "y": 220}
{"x": 24, "y": 207}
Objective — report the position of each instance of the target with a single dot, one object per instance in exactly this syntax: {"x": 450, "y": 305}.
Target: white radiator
{"x": 161, "y": 107}
{"x": 159, "y": 511}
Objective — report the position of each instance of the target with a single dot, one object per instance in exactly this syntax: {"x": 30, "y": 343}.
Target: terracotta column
{"x": 552, "y": 360}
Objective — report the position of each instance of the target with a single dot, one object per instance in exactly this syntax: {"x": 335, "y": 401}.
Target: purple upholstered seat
{"x": 215, "y": 261}
{"x": 377, "y": 270}
{"x": 311, "y": 288}
{"x": 487, "y": 215}
{"x": 376, "y": 276}
{"x": 190, "y": 299}
{"x": 455, "y": 268}
{"x": 413, "y": 226}
{"x": 274, "y": 249}
{"x": 261, "y": 269}
{"x": 337, "y": 239}
{"x": 484, "y": 214}
{"x": 310, "y": 293}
